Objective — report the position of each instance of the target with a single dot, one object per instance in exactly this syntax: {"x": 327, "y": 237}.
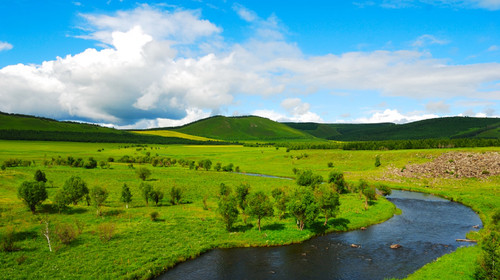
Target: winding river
{"x": 426, "y": 229}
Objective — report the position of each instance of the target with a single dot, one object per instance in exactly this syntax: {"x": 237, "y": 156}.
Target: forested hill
{"x": 242, "y": 128}
{"x": 439, "y": 128}
{"x": 23, "y": 127}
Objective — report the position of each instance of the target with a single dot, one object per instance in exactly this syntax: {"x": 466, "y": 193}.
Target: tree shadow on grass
{"x": 275, "y": 226}
{"x": 242, "y": 228}
{"x": 114, "y": 212}
{"x": 339, "y": 223}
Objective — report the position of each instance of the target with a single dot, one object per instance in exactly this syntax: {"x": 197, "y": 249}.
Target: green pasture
{"x": 142, "y": 248}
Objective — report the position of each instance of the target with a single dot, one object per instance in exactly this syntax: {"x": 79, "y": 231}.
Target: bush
{"x": 40, "y": 176}
{"x": 330, "y": 164}
{"x": 377, "y": 161}
{"x": 175, "y": 195}
{"x": 337, "y": 178}
{"x": 75, "y": 189}
{"x": 66, "y": 233}
{"x": 106, "y": 231}
{"x": 154, "y": 216}
{"x": 384, "y": 189}
{"x": 307, "y": 178}
{"x": 7, "y": 242}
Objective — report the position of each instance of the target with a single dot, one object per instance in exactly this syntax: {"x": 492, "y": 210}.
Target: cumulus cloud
{"x": 4, "y": 46}
{"x": 394, "y": 116}
{"x": 140, "y": 79}
{"x": 245, "y": 13}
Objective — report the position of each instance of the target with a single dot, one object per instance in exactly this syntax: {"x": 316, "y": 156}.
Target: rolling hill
{"x": 439, "y": 128}
{"x": 242, "y": 128}
{"x": 24, "y": 127}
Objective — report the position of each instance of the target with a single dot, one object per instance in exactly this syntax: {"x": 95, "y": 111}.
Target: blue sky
{"x": 137, "y": 65}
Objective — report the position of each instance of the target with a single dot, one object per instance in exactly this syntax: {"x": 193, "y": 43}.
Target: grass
{"x": 142, "y": 248}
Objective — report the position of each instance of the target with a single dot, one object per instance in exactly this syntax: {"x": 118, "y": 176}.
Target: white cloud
{"x": 427, "y": 39}
{"x": 245, "y": 13}
{"x": 4, "y": 46}
{"x": 493, "y": 48}
{"x": 487, "y": 4}
{"x": 437, "y": 107}
{"x": 394, "y": 116}
{"x": 399, "y": 4}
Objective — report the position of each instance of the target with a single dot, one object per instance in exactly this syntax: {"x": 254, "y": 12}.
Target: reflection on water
{"x": 427, "y": 229}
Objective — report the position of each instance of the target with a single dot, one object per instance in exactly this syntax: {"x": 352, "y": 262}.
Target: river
{"x": 426, "y": 230}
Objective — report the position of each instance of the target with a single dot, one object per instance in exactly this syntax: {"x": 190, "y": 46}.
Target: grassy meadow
{"x": 142, "y": 248}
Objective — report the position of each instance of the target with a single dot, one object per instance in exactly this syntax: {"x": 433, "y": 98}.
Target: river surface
{"x": 426, "y": 229}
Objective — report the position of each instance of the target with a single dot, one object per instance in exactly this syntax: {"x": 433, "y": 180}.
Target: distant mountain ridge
{"x": 438, "y": 128}
{"x": 248, "y": 128}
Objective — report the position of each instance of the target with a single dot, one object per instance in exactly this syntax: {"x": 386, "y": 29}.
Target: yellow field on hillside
{"x": 169, "y": 133}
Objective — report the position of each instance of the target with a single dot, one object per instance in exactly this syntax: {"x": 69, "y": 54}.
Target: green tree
{"x": 218, "y": 166}
{"x": 303, "y": 206}
{"x": 259, "y": 206}
{"x": 40, "y": 176}
{"x": 156, "y": 195}
{"x": 75, "y": 189}
{"x": 242, "y": 192}
{"x": 143, "y": 173}
{"x": 307, "y": 178}
{"x": 175, "y": 195}
{"x": 328, "y": 202}
{"x": 32, "y": 193}
{"x": 228, "y": 210}
{"x": 61, "y": 200}
{"x": 377, "y": 161}
{"x": 280, "y": 200}
{"x": 488, "y": 262}
{"x": 367, "y": 192}
{"x": 126, "y": 196}
{"x": 98, "y": 196}
{"x": 224, "y": 190}
{"x": 384, "y": 189}
{"x": 337, "y": 179}
{"x": 146, "y": 190}
{"x": 90, "y": 164}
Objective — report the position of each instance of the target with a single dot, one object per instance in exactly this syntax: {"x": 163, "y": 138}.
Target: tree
{"x": 90, "y": 164}
{"x": 143, "y": 173}
{"x": 32, "y": 193}
{"x": 377, "y": 161}
{"x": 61, "y": 200}
{"x": 205, "y": 164}
{"x": 242, "y": 192}
{"x": 488, "y": 262}
{"x": 175, "y": 195}
{"x": 75, "y": 189}
{"x": 367, "y": 192}
{"x": 146, "y": 190}
{"x": 224, "y": 190}
{"x": 337, "y": 179}
{"x": 307, "y": 178}
{"x": 40, "y": 176}
{"x": 126, "y": 195}
{"x": 328, "y": 202}
{"x": 280, "y": 200}
{"x": 156, "y": 195}
{"x": 303, "y": 206}
{"x": 259, "y": 206}
{"x": 98, "y": 196}
{"x": 218, "y": 166}
{"x": 228, "y": 210}
{"x": 384, "y": 189}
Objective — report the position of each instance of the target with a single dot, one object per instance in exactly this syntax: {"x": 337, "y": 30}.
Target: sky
{"x": 129, "y": 64}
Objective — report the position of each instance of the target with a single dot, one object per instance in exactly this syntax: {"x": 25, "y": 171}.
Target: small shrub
{"x": 205, "y": 206}
{"x": 66, "y": 233}
{"x": 8, "y": 239}
{"x": 377, "y": 161}
{"x": 175, "y": 195}
{"x": 384, "y": 189}
{"x": 154, "y": 216}
{"x": 106, "y": 231}
{"x": 330, "y": 164}
{"x": 3, "y": 167}
{"x": 79, "y": 225}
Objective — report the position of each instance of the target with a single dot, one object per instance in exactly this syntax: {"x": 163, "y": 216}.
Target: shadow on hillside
{"x": 242, "y": 228}
{"x": 339, "y": 223}
{"x": 113, "y": 212}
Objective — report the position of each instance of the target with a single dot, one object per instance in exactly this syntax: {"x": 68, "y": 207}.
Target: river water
{"x": 426, "y": 230}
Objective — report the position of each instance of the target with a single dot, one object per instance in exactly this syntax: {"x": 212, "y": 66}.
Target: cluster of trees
{"x": 305, "y": 202}
{"x": 488, "y": 262}
{"x": 394, "y": 144}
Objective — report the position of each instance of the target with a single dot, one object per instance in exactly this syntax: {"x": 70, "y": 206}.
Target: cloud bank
{"x": 158, "y": 67}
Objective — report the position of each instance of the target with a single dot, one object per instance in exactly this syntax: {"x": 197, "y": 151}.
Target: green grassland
{"x": 142, "y": 248}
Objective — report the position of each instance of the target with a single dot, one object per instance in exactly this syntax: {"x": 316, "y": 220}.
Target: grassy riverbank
{"x": 142, "y": 248}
